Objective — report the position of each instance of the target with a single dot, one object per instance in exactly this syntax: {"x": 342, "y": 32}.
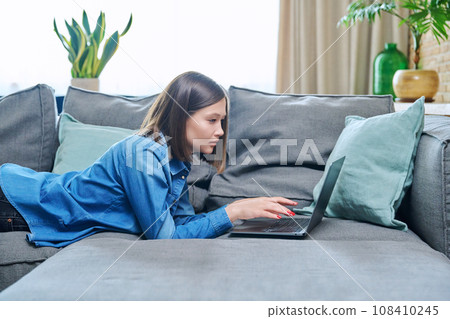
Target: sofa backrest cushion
{"x": 97, "y": 108}
{"x": 279, "y": 143}
{"x": 28, "y": 135}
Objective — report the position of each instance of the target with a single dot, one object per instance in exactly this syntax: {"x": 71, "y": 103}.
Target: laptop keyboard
{"x": 288, "y": 225}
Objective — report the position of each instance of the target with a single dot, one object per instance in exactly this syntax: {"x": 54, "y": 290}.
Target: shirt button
{"x": 183, "y": 177}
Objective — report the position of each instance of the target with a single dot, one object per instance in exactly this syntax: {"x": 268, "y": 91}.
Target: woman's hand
{"x": 270, "y": 207}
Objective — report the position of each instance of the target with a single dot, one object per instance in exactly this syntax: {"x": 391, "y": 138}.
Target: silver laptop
{"x": 290, "y": 227}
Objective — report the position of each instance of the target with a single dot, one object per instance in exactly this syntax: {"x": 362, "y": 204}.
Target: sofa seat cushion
{"x": 345, "y": 229}
{"x": 18, "y": 257}
{"x": 244, "y": 269}
{"x": 28, "y": 128}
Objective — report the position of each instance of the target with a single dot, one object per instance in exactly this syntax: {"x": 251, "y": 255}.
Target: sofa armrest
{"x": 426, "y": 208}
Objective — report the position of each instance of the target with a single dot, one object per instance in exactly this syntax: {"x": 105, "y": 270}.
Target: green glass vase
{"x": 384, "y": 66}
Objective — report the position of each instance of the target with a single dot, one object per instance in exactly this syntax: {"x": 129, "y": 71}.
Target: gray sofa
{"x": 341, "y": 260}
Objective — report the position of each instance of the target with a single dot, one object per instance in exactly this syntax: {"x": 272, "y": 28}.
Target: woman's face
{"x": 204, "y": 128}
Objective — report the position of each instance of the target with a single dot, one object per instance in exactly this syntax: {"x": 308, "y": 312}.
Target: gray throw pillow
{"x": 28, "y": 135}
{"x": 279, "y": 143}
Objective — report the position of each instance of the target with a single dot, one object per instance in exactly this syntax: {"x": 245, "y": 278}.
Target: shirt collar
{"x": 176, "y": 166}
{"x": 160, "y": 148}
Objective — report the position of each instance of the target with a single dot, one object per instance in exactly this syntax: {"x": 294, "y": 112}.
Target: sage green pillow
{"x": 378, "y": 169}
{"x": 82, "y": 144}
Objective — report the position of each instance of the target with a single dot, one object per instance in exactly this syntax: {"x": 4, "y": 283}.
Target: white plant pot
{"x": 91, "y": 84}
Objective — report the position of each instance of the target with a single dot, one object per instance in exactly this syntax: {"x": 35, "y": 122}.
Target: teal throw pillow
{"x": 378, "y": 168}
{"x": 82, "y": 144}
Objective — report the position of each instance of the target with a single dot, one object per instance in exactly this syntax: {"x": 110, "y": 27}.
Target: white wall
{"x": 233, "y": 41}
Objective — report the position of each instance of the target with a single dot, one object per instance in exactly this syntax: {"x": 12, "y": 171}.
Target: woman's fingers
{"x": 279, "y": 201}
{"x": 270, "y": 214}
{"x": 270, "y": 207}
{"x": 274, "y": 216}
{"x": 279, "y": 209}
{"x": 284, "y": 201}
{"x": 275, "y": 209}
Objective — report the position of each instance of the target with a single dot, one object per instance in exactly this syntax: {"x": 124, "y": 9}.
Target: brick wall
{"x": 435, "y": 57}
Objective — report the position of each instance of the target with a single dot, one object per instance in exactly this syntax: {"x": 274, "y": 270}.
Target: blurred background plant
{"x": 84, "y": 46}
{"x": 425, "y": 15}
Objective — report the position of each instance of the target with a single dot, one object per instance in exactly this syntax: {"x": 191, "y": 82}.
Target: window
{"x": 233, "y": 41}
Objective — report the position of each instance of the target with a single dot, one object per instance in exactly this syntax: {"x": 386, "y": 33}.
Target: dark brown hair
{"x": 185, "y": 95}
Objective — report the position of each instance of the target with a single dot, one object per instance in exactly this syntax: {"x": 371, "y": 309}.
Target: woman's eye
{"x": 212, "y": 121}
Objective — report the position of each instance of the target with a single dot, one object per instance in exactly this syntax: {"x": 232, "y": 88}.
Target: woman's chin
{"x": 207, "y": 150}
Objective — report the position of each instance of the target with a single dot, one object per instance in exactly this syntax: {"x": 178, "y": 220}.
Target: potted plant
{"x": 84, "y": 49}
{"x": 424, "y": 16}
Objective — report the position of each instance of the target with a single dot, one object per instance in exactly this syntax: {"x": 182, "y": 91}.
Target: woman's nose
{"x": 220, "y": 131}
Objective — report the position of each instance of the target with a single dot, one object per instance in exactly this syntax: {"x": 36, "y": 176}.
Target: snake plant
{"x": 423, "y": 16}
{"x": 83, "y": 46}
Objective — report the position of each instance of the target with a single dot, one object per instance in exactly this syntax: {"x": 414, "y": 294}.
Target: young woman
{"x": 139, "y": 185}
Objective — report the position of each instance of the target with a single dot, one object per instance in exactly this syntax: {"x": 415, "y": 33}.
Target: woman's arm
{"x": 270, "y": 207}
{"x": 191, "y": 225}
{"x": 147, "y": 191}
{"x": 216, "y": 222}
{"x": 148, "y": 197}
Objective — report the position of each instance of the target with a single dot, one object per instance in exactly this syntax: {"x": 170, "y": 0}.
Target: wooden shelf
{"x": 430, "y": 108}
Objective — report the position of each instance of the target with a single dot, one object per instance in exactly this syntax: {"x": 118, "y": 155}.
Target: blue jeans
{"x": 10, "y": 218}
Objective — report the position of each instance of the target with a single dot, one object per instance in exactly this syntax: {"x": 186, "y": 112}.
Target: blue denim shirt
{"x": 132, "y": 188}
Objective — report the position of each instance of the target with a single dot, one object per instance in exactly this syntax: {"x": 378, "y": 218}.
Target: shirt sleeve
{"x": 147, "y": 192}
{"x": 191, "y": 225}
{"x": 148, "y": 195}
